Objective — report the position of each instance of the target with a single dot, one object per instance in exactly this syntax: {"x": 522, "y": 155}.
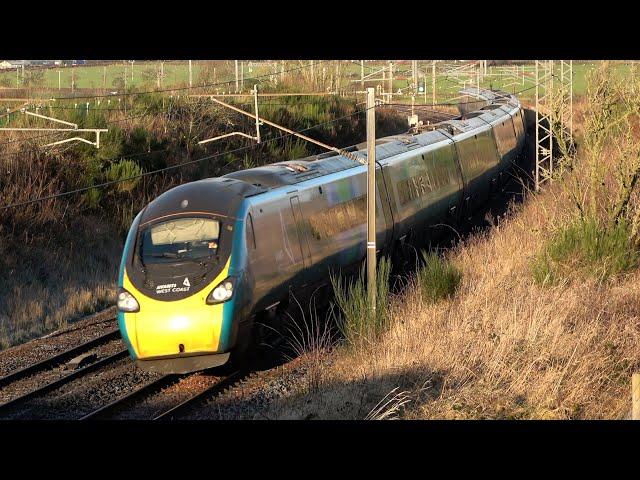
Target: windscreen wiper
{"x": 166, "y": 255}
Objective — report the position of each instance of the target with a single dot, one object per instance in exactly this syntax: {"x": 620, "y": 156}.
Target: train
{"x": 204, "y": 261}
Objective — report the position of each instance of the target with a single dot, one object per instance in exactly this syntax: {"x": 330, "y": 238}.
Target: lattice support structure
{"x": 565, "y": 84}
{"x": 554, "y": 111}
{"x": 512, "y": 78}
{"x": 544, "y": 134}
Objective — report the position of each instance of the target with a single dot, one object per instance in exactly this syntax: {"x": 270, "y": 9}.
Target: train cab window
{"x": 183, "y": 238}
{"x": 251, "y": 238}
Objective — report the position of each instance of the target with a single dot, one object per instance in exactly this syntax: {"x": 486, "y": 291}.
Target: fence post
{"x": 635, "y": 396}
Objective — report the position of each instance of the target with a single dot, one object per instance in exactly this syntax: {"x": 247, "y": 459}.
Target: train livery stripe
{"x": 121, "y": 316}
{"x": 237, "y": 262}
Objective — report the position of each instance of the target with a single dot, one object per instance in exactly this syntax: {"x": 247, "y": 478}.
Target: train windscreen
{"x": 180, "y": 239}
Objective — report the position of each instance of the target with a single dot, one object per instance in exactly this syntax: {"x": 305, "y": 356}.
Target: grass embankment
{"x": 537, "y": 318}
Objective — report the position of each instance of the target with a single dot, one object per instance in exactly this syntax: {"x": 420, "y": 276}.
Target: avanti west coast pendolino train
{"x": 206, "y": 258}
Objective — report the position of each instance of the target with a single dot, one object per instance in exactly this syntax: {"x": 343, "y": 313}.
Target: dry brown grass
{"x": 55, "y": 279}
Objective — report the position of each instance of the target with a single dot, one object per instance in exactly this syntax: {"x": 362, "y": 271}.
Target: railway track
{"x": 49, "y": 364}
{"x": 113, "y": 408}
{"x": 108, "y": 410}
{"x": 58, "y": 359}
{"x": 9, "y": 406}
{"x": 200, "y": 397}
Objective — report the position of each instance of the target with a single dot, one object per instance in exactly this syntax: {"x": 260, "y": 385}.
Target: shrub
{"x": 589, "y": 247}
{"x": 438, "y": 279}
{"x": 121, "y": 170}
{"x": 358, "y": 323}
{"x": 118, "y": 83}
{"x": 33, "y": 78}
{"x": 93, "y": 197}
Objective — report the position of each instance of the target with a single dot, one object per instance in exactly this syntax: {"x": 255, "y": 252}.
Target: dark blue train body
{"x": 204, "y": 259}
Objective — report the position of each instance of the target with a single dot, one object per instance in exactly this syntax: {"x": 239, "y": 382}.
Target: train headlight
{"x": 127, "y": 302}
{"x": 223, "y": 292}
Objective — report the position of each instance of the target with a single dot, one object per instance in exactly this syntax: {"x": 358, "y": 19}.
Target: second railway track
{"x": 10, "y": 405}
{"x": 58, "y": 359}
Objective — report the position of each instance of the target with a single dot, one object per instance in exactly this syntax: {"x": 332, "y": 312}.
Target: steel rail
{"x": 112, "y": 407}
{"x": 57, "y": 359}
{"x": 202, "y": 396}
{"x": 63, "y": 380}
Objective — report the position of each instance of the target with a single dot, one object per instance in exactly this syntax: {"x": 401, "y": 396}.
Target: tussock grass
{"x": 308, "y": 333}
{"x": 438, "y": 278}
{"x": 586, "y": 247}
{"x": 358, "y": 322}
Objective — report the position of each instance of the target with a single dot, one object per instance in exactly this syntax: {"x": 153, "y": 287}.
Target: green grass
{"x": 177, "y": 74}
{"x": 588, "y": 248}
{"x": 357, "y": 322}
{"x": 447, "y": 88}
{"x": 438, "y": 279}
{"x": 144, "y": 73}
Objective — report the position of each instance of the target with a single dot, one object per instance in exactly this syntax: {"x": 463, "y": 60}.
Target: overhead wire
{"x": 172, "y": 167}
{"x": 208, "y": 157}
{"x": 257, "y": 77}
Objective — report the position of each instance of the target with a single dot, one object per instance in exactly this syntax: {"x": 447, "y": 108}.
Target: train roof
{"x": 296, "y": 171}
{"x": 489, "y": 107}
{"x": 219, "y": 196}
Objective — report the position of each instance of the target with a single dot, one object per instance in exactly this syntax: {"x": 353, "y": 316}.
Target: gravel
{"x": 22, "y": 386}
{"x": 168, "y": 397}
{"x": 85, "y": 394}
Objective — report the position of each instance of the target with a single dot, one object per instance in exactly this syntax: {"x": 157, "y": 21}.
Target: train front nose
{"x": 176, "y": 304}
{"x": 180, "y": 329}
{"x": 178, "y": 336}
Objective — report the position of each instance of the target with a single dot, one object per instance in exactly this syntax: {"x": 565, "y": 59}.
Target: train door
{"x": 384, "y": 220}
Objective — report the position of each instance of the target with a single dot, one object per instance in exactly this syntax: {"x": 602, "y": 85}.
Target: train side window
{"x": 251, "y": 238}
{"x": 339, "y": 218}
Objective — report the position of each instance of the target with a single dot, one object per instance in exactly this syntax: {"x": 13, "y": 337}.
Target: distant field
{"x": 447, "y": 87}
{"x": 137, "y": 74}
{"x": 143, "y": 75}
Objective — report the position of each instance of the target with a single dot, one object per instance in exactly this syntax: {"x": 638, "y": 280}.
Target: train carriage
{"x": 204, "y": 259}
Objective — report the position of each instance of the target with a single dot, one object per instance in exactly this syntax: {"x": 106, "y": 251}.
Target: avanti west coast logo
{"x": 173, "y": 287}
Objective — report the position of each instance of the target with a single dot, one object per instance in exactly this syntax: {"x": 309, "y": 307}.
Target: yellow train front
{"x": 181, "y": 301}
